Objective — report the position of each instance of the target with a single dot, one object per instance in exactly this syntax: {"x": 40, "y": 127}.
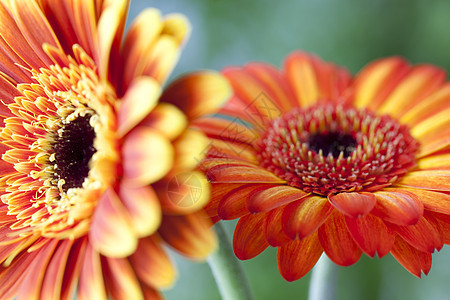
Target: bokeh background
{"x": 350, "y": 33}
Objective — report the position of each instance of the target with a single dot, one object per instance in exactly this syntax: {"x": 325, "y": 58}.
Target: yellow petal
{"x": 167, "y": 119}
{"x": 137, "y": 103}
{"x": 198, "y": 93}
{"x": 190, "y": 148}
{"x": 147, "y": 156}
{"x": 112, "y": 232}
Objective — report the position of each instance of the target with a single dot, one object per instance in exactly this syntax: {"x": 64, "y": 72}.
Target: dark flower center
{"x": 73, "y": 147}
{"x": 332, "y": 143}
{"x": 327, "y": 149}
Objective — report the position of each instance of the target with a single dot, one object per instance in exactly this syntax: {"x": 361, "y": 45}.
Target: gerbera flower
{"x": 95, "y": 172}
{"x": 312, "y": 160}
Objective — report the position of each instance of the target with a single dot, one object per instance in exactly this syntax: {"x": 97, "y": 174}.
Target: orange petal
{"x": 444, "y": 224}
{"x": 183, "y": 193}
{"x": 241, "y": 174}
{"x": 376, "y": 81}
{"x": 435, "y": 126}
{"x": 433, "y": 146}
{"x": 438, "y": 161}
{"x": 273, "y": 228}
{"x": 425, "y": 235}
{"x": 198, "y": 94}
{"x": 312, "y": 79}
{"x": 248, "y": 239}
{"x": 32, "y": 280}
{"x": 190, "y": 234}
{"x": 337, "y": 241}
{"x": 120, "y": 279}
{"x": 433, "y": 201}
{"x": 51, "y": 285}
{"x": 167, "y": 119}
{"x": 34, "y": 27}
{"x": 190, "y": 148}
{"x": 428, "y": 180}
{"x": 143, "y": 206}
{"x": 137, "y": 103}
{"x": 354, "y": 205}
{"x": 233, "y": 205}
{"x": 273, "y": 83}
{"x": 91, "y": 284}
{"x": 73, "y": 268}
{"x": 110, "y": 27}
{"x": 147, "y": 156}
{"x": 151, "y": 263}
{"x": 258, "y": 104}
{"x": 303, "y": 217}
{"x": 218, "y": 191}
{"x": 430, "y": 106}
{"x": 265, "y": 200}
{"x": 112, "y": 232}
{"x": 141, "y": 37}
{"x": 371, "y": 234}
{"x": 398, "y": 206}
{"x": 415, "y": 261}
{"x": 297, "y": 258}
{"x": 420, "y": 82}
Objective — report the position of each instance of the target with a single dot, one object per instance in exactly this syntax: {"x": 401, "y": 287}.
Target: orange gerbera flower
{"x": 95, "y": 172}
{"x": 312, "y": 160}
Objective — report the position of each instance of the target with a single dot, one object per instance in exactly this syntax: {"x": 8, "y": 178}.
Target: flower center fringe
{"x": 327, "y": 149}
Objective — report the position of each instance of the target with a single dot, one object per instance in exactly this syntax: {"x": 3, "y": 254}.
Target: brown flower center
{"x": 73, "y": 147}
{"x": 327, "y": 149}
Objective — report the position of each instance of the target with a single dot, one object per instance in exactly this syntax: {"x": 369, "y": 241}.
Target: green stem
{"x": 322, "y": 285}
{"x": 227, "y": 270}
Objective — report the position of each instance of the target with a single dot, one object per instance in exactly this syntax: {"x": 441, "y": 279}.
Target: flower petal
{"x": 198, "y": 94}
{"x": 190, "y": 149}
{"x": 427, "y": 108}
{"x": 248, "y": 239}
{"x": 120, "y": 279}
{"x": 140, "y": 98}
{"x": 428, "y": 180}
{"x": 273, "y": 228}
{"x": 415, "y": 261}
{"x": 91, "y": 284}
{"x": 377, "y": 80}
{"x": 240, "y": 174}
{"x": 143, "y": 206}
{"x": 184, "y": 193}
{"x": 435, "y": 126}
{"x": 438, "y": 161}
{"x": 337, "y": 241}
{"x": 297, "y": 258}
{"x": 112, "y": 232}
{"x": 398, "y": 206}
{"x": 167, "y": 119}
{"x": 151, "y": 263}
{"x": 354, "y": 205}
{"x": 420, "y": 82}
{"x": 371, "y": 234}
{"x": 233, "y": 204}
{"x": 312, "y": 79}
{"x": 147, "y": 156}
{"x": 190, "y": 234}
{"x": 268, "y": 199}
{"x": 433, "y": 201}
{"x": 51, "y": 285}
{"x": 303, "y": 217}
{"x": 73, "y": 268}
{"x": 425, "y": 235}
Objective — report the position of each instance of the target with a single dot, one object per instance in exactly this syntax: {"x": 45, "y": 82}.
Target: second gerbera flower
{"x": 316, "y": 161}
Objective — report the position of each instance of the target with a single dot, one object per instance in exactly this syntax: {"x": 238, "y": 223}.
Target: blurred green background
{"x": 350, "y": 33}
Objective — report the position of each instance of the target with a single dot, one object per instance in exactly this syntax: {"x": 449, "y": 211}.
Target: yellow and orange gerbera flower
{"x": 97, "y": 161}
{"x": 312, "y": 160}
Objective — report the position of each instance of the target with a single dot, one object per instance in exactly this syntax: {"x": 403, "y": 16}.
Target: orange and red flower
{"x": 97, "y": 161}
{"x": 313, "y": 160}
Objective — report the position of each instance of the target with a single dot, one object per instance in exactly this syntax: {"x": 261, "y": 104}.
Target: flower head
{"x": 97, "y": 160}
{"x": 313, "y": 160}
